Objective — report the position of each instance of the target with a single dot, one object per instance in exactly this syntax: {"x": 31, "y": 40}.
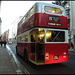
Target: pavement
{"x": 7, "y": 66}
{"x": 71, "y": 50}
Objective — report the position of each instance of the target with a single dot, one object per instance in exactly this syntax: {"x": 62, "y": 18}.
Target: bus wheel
{"x": 25, "y": 55}
{"x": 16, "y": 51}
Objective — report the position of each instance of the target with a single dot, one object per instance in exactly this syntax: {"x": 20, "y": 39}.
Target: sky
{"x": 11, "y": 10}
{"x": 0, "y": 8}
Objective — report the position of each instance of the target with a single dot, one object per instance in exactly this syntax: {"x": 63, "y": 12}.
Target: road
{"x": 60, "y": 68}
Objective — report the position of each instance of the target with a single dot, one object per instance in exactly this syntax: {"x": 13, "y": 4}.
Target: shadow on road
{"x": 59, "y": 68}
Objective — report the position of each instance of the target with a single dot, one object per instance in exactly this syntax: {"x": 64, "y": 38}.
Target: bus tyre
{"x": 25, "y": 55}
{"x": 16, "y": 51}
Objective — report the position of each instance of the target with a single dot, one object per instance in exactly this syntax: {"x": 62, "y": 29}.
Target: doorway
{"x": 37, "y": 45}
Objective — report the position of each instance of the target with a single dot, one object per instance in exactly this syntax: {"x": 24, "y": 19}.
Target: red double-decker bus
{"x": 42, "y": 35}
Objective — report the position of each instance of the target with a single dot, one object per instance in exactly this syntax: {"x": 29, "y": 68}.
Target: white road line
{"x": 17, "y": 62}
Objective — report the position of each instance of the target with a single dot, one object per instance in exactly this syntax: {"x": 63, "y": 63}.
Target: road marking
{"x": 19, "y": 71}
{"x": 19, "y": 65}
{"x": 25, "y": 70}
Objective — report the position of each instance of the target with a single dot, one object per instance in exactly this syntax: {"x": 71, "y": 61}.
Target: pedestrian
{"x": 1, "y": 43}
{"x": 72, "y": 45}
{"x": 5, "y": 44}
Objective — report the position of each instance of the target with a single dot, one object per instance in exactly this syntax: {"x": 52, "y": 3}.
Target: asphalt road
{"x": 60, "y": 68}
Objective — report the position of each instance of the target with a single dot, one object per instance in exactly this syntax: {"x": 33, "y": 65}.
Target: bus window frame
{"x": 66, "y": 33}
{"x": 51, "y": 9}
{"x": 45, "y": 29}
{"x": 23, "y": 19}
{"x": 31, "y": 34}
{"x": 28, "y": 13}
{"x": 18, "y": 39}
{"x": 43, "y": 11}
{"x": 58, "y": 35}
{"x": 25, "y": 38}
{"x": 23, "y": 35}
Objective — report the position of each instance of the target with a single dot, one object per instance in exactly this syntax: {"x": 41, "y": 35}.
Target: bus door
{"x": 37, "y": 45}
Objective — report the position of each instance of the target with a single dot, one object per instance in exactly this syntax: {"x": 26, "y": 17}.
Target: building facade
{"x": 0, "y": 19}
{"x": 5, "y": 35}
{"x": 0, "y": 26}
{"x": 70, "y": 10}
{"x": 72, "y": 22}
{"x": 13, "y": 30}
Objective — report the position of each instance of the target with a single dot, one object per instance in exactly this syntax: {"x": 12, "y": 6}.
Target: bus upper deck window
{"x": 52, "y": 10}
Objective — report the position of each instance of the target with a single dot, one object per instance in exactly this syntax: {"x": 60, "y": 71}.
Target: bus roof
{"x": 39, "y": 8}
{"x": 39, "y": 4}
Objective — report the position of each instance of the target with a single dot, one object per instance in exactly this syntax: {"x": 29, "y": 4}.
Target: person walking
{"x": 5, "y": 44}
{"x": 72, "y": 45}
{"x": 1, "y": 43}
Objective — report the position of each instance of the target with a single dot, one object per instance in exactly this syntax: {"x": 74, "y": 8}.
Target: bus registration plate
{"x": 56, "y": 57}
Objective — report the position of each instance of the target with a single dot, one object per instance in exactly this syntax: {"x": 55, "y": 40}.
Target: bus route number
{"x": 54, "y": 18}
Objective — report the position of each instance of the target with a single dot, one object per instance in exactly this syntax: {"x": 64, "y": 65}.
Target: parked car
{"x": 10, "y": 42}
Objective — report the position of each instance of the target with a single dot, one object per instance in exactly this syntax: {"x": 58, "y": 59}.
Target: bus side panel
{"x": 52, "y": 50}
{"x": 26, "y": 25}
{"x": 42, "y": 19}
{"x": 21, "y": 47}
